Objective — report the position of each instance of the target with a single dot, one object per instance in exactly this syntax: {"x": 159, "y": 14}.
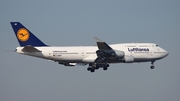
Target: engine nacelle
{"x": 68, "y": 64}
{"x": 119, "y": 54}
{"x": 128, "y": 59}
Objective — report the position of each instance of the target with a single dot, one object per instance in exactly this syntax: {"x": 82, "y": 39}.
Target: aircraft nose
{"x": 165, "y": 54}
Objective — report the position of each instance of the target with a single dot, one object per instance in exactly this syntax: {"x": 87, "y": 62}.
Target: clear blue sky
{"x": 76, "y": 22}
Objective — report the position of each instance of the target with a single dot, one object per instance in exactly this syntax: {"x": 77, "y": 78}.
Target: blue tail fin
{"x": 24, "y": 36}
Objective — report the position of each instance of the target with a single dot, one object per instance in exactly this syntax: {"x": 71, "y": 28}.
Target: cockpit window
{"x": 157, "y": 45}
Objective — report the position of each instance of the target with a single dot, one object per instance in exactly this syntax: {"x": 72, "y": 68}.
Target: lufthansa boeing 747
{"x": 95, "y": 57}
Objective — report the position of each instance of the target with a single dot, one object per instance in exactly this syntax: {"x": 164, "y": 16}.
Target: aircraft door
{"x": 50, "y": 54}
{"x": 82, "y": 53}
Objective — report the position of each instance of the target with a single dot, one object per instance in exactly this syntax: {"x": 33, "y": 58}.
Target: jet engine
{"x": 67, "y": 64}
{"x": 128, "y": 59}
{"x": 119, "y": 54}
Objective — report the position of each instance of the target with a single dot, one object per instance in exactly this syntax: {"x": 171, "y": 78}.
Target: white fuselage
{"x": 142, "y": 52}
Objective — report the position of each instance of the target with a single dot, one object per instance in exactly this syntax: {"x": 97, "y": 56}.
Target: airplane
{"x": 96, "y": 57}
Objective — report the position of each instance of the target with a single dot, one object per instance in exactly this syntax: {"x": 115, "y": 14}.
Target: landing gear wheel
{"x": 105, "y": 68}
{"x": 152, "y": 67}
{"x": 88, "y": 69}
{"x": 92, "y": 70}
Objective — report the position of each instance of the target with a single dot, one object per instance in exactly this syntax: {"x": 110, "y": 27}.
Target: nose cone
{"x": 165, "y": 53}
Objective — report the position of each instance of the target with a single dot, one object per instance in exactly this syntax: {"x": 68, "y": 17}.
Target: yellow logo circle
{"x": 23, "y": 34}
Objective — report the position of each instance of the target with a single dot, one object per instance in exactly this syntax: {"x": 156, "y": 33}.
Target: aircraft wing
{"x": 102, "y": 45}
{"x": 30, "y": 49}
{"x": 106, "y": 53}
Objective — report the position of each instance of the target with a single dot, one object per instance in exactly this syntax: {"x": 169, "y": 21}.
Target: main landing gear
{"x": 152, "y": 65}
{"x": 93, "y": 67}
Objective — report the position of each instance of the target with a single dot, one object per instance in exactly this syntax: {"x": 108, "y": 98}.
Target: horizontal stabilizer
{"x": 30, "y": 49}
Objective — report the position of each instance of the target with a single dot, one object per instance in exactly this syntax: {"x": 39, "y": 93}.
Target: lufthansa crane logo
{"x": 23, "y": 34}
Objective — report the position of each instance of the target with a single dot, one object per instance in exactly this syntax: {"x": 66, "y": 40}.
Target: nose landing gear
{"x": 152, "y": 65}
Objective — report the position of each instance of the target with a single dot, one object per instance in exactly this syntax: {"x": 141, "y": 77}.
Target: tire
{"x": 88, "y": 69}
{"x": 152, "y": 67}
{"x": 105, "y": 68}
{"x": 92, "y": 70}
